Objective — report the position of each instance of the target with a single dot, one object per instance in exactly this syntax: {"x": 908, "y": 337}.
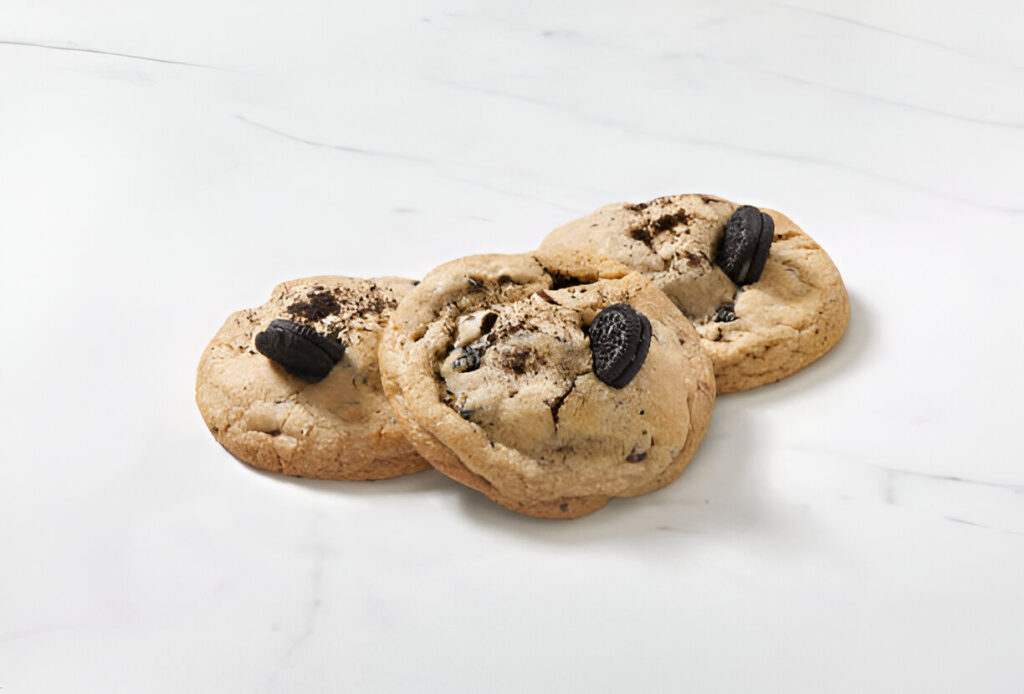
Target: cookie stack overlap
{"x": 551, "y": 381}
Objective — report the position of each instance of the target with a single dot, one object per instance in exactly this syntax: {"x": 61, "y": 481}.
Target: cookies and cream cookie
{"x": 764, "y": 297}
{"x": 293, "y": 386}
{"x": 549, "y": 382}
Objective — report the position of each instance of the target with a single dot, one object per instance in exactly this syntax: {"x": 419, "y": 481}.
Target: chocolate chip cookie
{"x": 549, "y": 382}
{"x": 294, "y": 387}
{"x": 764, "y": 297}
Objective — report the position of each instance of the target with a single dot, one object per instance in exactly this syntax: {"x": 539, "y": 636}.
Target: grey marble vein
{"x": 327, "y": 145}
{"x": 979, "y": 525}
{"x": 524, "y": 28}
{"x": 1013, "y": 125}
{"x": 312, "y": 608}
{"x": 892, "y": 471}
{"x": 405, "y": 157}
{"x": 951, "y": 478}
{"x": 515, "y": 194}
{"x": 889, "y": 489}
{"x": 632, "y": 129}
{"x": 96, "y": 51}
{"x": 876, "y": 28}
{"x": 863, "y": 96}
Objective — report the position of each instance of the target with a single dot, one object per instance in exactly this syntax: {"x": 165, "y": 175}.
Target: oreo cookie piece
{"x": 619, "y": 340}
{"x": 300, "y": 349}
{"x": 468, "y": 359}
{"x": 745, "y": 244}
{"x": 726, "y": 313}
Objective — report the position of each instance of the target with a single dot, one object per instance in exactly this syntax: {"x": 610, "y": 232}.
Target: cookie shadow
{"x": 718, "y": 492}
{"x": 723, "y": 490}
{"x": 425, "y": 481}
{"x": 853, "y": 348}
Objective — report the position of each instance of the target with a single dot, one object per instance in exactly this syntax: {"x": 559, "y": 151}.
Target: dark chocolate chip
{"x": 745, "y": 244}
{"x": 300, "y": 349}
{"x": 726, "y": 313}
{"x": 619, "y": 340}
{"x": 468, "y": 360}
{"x": 635, "y": 457}
{"x": 564, "y": 507}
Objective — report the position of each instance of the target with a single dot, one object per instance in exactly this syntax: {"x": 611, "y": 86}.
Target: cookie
{"x": 294, "y": 387}
{"x": 620, "y": 338}
{"x": 549, "y": 382}
{"x": 764, "y": 297}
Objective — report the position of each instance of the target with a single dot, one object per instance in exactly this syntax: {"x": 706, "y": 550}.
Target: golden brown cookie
{"x": 549, "y": 382}
{"x": 757, "y": 332}
{"x": 338, "y": 427}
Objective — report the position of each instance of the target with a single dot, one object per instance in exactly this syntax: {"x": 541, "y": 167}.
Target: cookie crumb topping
{"x": 317, "y": 305}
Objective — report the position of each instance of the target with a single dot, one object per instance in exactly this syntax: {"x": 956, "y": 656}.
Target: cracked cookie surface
{"x": 755, "y": 334}
{"x": 489, "y": 366}
{"x": 339, "y": 428}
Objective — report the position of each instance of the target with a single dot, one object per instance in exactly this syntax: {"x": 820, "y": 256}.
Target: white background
{"x": 858, "y": 527}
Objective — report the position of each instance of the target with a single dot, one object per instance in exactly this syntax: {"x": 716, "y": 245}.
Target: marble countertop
{"x": 858, "y": 527}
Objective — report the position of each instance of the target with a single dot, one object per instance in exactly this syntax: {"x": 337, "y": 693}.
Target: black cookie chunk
{"x": 302, "y": 351}
{"x": 619, "y": 340}
{"x": 726, "y": 313}
{"x": 468, "y": 360}
{"x": 745, "y": 244}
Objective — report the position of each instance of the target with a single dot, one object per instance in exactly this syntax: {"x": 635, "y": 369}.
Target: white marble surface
{"x": 856, "y": 528}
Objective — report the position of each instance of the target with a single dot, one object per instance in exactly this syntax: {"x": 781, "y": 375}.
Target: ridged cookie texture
{"x": 339, "y": 428}
{"x": 489, "y": 366}
{"x": 757, "y": 333}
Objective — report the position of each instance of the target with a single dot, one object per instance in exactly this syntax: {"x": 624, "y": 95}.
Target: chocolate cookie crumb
{"x": 642, "y": 234}
{"x": 316, "y": 307}
{"x": 726, "y": 313}
{"x": 670, "y": 221}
